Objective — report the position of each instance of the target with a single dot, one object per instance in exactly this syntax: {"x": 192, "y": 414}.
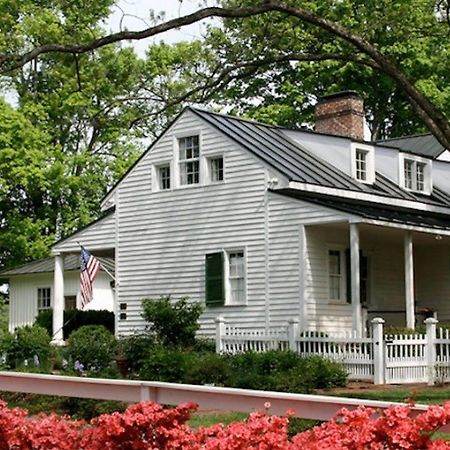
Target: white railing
{"x": 392, "y": 359}
{"x": 316, "y": 407}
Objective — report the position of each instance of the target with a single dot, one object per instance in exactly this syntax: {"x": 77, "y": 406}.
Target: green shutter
{"x": 214, "y": 279}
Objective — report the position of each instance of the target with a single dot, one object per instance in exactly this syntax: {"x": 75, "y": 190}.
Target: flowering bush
{"x": 150, "y": 426}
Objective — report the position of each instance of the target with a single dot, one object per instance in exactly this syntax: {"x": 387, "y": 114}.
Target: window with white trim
{"x": 415, "y": 174}
{"x": 215, "y": 166}
{"x": 164, "y": 177}
{"x": 336, "y": 271}
{"x": 44, "y": 299}
{"x": 189, "y": 160}
{"x": 236, "y": 277}
{"x": 363, "y": 163}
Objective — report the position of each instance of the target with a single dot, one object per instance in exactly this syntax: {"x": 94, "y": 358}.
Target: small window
{"x": 236, "y": 278}
{"x": 70, "y": 302}
{"x": 216, "y": 169}
{"x": 416, "y": 174}
{"x": 164, "y": 178}
{"x": 363, "y": 163}
{"x": 189, "y": 160}
{"x": 44, "y": 300}
{"x": 335, "y": 274}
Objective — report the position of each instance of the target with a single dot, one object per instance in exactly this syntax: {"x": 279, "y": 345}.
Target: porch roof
{"x": 71, "y": 263}
{"x": 372, "y": 211}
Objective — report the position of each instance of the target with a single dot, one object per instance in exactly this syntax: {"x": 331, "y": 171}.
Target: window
{"x": 44, "y": 300}
{"x": 335, "y": 275}
{"x": 236, "y": 278}
{"x": 415, "y": 174}
{"x": 225, "y": 278}
{"x": 189, "y": 160}
{"x": 70, "y": 302}
{"x": 164, "y": 178}
{"x": 216, "y": 169}
{"x": 363, "y": 163}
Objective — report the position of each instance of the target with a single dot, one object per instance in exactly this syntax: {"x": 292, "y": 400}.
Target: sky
{"x": 135, "y": 15}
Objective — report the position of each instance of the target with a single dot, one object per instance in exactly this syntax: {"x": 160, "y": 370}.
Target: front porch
{"x": 357, "y": 271}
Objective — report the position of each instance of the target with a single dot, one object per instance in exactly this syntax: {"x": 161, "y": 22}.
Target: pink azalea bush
{"x": 150, "y": 426}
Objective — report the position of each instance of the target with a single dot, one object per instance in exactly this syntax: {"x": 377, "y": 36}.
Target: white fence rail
{"x": 392, "y": 359}
{"x": 316, "y": 407}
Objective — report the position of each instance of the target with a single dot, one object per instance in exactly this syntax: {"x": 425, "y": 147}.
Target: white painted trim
{"x": 402, "y": 226}
{"x": 374, "y": 198}
{"x": 370, "y": 161}
{"x": 266, "y": 252}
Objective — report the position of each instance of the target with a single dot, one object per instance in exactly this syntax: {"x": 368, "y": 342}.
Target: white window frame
{"x": 343, "y": 279}
{"x": 208, "y": 168}
{"x": 427, "y": 173}
{"x": 156, "y": 181}
{"x": 177, "y": 162}
{"x": 370, "y": 162}
{"x": 38, "y": 309}
{"x": 228, "y": 299}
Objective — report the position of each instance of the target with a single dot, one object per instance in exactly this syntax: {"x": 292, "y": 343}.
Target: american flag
{"x": 89, "y": 268}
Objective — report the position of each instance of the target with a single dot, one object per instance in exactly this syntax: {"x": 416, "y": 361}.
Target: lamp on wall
{"x": 438, "y": 237}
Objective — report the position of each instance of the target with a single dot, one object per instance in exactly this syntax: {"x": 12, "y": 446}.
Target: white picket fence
{"x": 392, "y": 359}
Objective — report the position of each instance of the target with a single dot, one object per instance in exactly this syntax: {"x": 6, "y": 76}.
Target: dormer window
{"x": 189, "y": 160}
{"x": 415, "y": 174}
{"x": 362, "y": 161}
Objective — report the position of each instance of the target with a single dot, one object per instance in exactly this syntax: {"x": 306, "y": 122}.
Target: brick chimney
{"x": 341, "y": 114}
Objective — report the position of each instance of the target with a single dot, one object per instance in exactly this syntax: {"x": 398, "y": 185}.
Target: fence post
{"x": 220, "y": 333}
{"x": 431, "y": 349}
{"x": 378, "y": 350}
{"x": 293, "y": 327}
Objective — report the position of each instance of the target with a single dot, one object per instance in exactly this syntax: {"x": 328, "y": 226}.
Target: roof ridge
{"x": 404, "y": 137}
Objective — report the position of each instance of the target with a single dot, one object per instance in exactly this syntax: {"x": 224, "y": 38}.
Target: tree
{"x": 316, "y": 16}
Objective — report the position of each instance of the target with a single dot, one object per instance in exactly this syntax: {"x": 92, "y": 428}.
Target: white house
{"x": 31, "y": 288}
{"x": 263, "y": 224}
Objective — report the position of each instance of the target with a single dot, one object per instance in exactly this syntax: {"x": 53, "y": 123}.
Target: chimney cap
{"x": 338, "y": 95}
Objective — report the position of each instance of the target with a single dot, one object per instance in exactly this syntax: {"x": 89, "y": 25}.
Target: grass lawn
{"x": 431, "y": 395}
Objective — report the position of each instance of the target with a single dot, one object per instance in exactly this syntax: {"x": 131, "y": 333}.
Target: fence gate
{"x": 405, "y": 359}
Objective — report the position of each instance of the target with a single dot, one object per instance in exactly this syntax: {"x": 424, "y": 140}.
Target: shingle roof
{"x": 71, "y": 263}
{"x": 423, "y": 144}
{"x": 273, "y": 146}
{"x": 374, "y": 211}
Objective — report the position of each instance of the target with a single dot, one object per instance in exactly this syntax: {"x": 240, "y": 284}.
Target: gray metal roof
{"x": 422, "y": 144}
{"x": 273, "y": 146}
{"x": 374, "y": 211}
{"x": 71, "y": 263}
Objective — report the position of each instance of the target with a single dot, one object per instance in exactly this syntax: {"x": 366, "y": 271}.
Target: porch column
{"x": 409, "y": 279}
{"x": 58, "y": 300}
{"x": 355, "y": 279}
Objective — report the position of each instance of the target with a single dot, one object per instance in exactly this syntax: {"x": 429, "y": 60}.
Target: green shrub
{"x": 166, "y": 365}
{"x": 173, "y": 323}
{"x": 208, "y": 368}
{"x": 26, "y": 343}
{"x": 93, "y": 346}
{"x": 136, "y": 348}
{"x": 75, "y": 318}
{"x": 283, "y": 371}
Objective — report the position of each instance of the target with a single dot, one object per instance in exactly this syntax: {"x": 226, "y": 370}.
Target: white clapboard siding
{"x": 164, "y": 236}
{"x": 100, "y": 235}
{"x": 23, "y": 294}
{"x": 286, "y": 217}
